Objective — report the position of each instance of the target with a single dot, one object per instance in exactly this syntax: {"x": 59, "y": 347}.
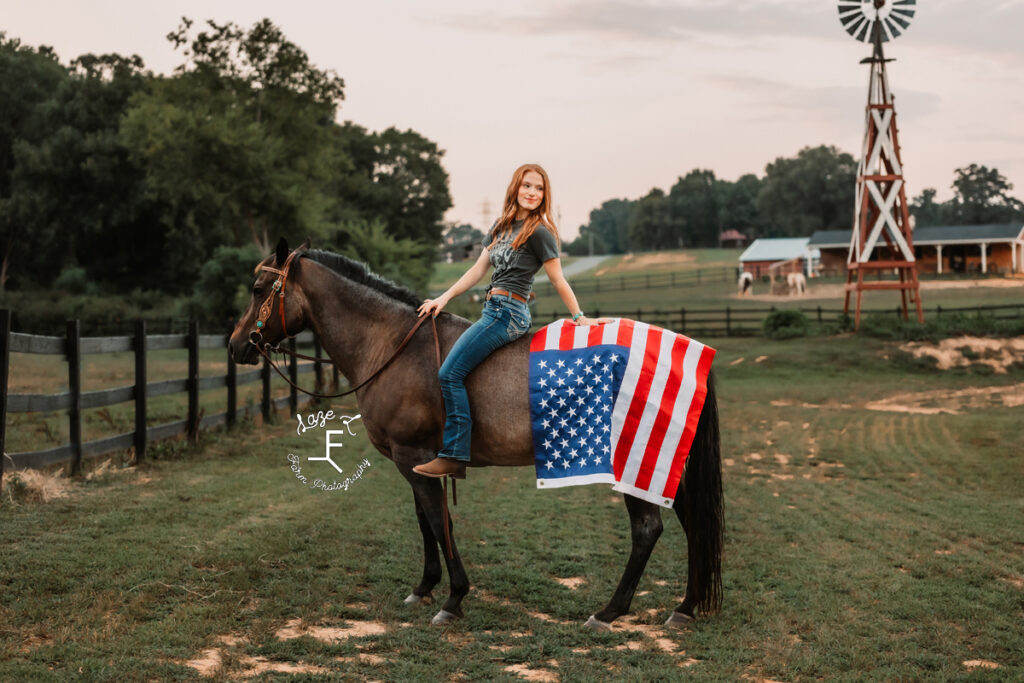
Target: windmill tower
{"x": 882, "y": 238}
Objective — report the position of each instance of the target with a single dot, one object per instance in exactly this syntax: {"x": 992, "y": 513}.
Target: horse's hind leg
{"x": 645, "y": 527}
{"x": 431, "y": 559}
{"x": 684, "y": 613}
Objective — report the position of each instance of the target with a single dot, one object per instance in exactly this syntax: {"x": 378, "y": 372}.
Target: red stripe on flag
{"x": 664, "y": 418}
{"x": 692, "y": 417}
{"x": 594, "y": 336}
{"x": 539, "y": 340}
{"x": 636, "y": 407}
{"x": 625, "y": 337}
{"x": 565, "y": 340}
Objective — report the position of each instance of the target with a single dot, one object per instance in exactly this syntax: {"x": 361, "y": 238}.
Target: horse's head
{"x": 277, "y": 308}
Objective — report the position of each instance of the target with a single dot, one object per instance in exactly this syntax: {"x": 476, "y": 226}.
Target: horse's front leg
{"x": 429, "y": 501}
{"x": 645, "y": 526}
{"x": 431, "y": 559}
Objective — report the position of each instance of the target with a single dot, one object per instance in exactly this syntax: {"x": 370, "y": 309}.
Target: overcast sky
{"x": 615, "y": 97}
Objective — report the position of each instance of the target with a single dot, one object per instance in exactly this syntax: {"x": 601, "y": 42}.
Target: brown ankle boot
{"x": 442, "y": 467}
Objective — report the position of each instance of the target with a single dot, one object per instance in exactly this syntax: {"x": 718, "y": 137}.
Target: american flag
{"x": 616, "y": 403}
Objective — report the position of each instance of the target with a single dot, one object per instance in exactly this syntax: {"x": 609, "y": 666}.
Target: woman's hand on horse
{"x": 432, "y": 306}
{"x": 584, "y": 320}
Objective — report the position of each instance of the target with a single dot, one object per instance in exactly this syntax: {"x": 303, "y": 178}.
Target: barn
{"x": 765, "y": 252}
{"x": 996, "y": 248}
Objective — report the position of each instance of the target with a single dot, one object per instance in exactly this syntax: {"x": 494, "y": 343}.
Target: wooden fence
{"x": 748, "y": 321}
{"x": 73, "y": 347}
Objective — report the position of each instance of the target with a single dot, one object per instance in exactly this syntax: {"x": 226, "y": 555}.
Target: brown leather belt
{"x": 517, "y": 297}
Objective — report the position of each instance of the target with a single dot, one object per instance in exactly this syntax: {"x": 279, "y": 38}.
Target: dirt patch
{"x": 959, "y": 352}
{"x": 259, "y": 665}
{"x": 328, "y": 634}
{"x": 572, "y": 583}
{"x": 524, "y": 671}
{"x": 207, "y": 663}
{"x": 634, "y": 262}
{"x": 980, "y": 664}
{"x": 951, "y": 402}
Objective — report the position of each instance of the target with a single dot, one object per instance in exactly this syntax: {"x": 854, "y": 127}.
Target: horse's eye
{"x": 256, "y": 290}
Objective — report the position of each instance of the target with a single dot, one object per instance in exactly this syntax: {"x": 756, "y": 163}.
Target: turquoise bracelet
{"x": 577, "y": 316}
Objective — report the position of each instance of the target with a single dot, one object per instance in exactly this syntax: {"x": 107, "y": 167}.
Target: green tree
{"x": 737, "y": 208}
{"x": 407, "y": 262}
{"x": 609, "y": 226}
{"x": 982, "y": 195}
{"x": 927, "y": 211}
{"x": 28, "y": 79}
{"x": 237, "y": 143}
{"x": 80, "y": 183}
{"x": 695, "y": 205}
{"x": 812, "y": 191}
{"x": 651, "y": 225}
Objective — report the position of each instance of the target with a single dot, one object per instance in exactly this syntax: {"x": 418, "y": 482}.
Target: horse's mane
{"x": 361, "y": 273}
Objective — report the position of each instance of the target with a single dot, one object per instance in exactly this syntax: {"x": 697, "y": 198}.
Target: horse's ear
{"x": 307, "y": 244}
{"x": 281, "y": 252}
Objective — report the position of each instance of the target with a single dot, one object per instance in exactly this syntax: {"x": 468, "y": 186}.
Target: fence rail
{"x": 73, "y": 347}
{"x": 747, "y": 321}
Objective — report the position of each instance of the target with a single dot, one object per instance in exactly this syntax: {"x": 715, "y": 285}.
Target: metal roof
{"x": 940, "y": 234}
{"x": 830, "y": 238}
{"x": 937, "y": 234}
{"x": 776, "y": 249}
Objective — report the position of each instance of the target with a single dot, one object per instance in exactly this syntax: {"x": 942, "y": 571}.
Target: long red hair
{"x": 539, "y": 216}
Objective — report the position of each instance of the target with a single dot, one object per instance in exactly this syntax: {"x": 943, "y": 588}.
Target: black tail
{"x": 704, "y": 510}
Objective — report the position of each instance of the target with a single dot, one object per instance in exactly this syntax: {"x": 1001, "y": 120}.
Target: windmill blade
{"x": 865, "y": 33}
{"x": 859, "y": 17}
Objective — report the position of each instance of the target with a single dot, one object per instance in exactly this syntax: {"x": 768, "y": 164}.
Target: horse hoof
{"x": 414, "y": 599}
{"x": 443, "y": 617}
{"x": 596, "y": 624}
{"x": 678, "y": 619}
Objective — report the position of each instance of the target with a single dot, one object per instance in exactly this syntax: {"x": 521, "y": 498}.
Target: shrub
{"x": 74, "y": 280}
{"x": 785, "y": 324}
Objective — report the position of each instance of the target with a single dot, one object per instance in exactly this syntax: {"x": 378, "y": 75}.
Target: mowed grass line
{"x": 859, "y": 544}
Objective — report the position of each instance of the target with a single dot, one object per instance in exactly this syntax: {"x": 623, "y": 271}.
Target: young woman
{"x": 522, "y": 240}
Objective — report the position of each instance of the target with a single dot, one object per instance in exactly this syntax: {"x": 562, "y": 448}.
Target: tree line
{"x": 795, "y": 197}
{"x": 122, "y": 179}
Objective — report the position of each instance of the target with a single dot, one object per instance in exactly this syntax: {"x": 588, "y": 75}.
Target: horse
{"x": 797, "y": 283}
{"x": 745, "y": 283}
{"x": 360, "y": 319}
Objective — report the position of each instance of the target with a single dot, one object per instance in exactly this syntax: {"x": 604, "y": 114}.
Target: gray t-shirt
{"x": 514, "y": 269}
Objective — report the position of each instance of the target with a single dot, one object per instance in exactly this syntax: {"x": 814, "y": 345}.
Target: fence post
{"x": 192, "y": 383}
{"x": 728, "y": 322}
{"x": 334, "y": 378}
{"x": 819, "y": 315}
{"x": 265, "y": 400}
{"x": 140, "y": 391}
{"x": 938, "y": 311}
{"x": 293, "y": 375}
{"x": 639, "y": 314}
{"x": 73, "y": 350}
{"x": 318, "y": 371}
{"x": 5, "y": 361}
{"x": 232, "y": 416}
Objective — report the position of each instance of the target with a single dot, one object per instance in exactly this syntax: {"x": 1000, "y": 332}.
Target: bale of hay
{"x": 35, "y": 486}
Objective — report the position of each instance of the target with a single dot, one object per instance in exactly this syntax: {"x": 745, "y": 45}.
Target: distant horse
{"x": 360, "y": 319}
{"x": 797, "y": 283}
{"x": 745, "y": 283}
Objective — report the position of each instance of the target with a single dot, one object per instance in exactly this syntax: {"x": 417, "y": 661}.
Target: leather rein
{"x": 266, "y": 308}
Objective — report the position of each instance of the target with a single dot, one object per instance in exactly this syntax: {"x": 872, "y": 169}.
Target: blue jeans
{"x": 503, "y": 320}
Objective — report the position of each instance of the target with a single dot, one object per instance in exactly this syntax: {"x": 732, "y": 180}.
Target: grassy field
{"x": 860, "y": 544}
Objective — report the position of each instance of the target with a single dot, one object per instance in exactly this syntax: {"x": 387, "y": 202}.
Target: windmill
{"x": 882, "y": 238}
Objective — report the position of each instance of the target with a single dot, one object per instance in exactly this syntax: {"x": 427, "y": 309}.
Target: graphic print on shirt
{"x": 503, "y": 256}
